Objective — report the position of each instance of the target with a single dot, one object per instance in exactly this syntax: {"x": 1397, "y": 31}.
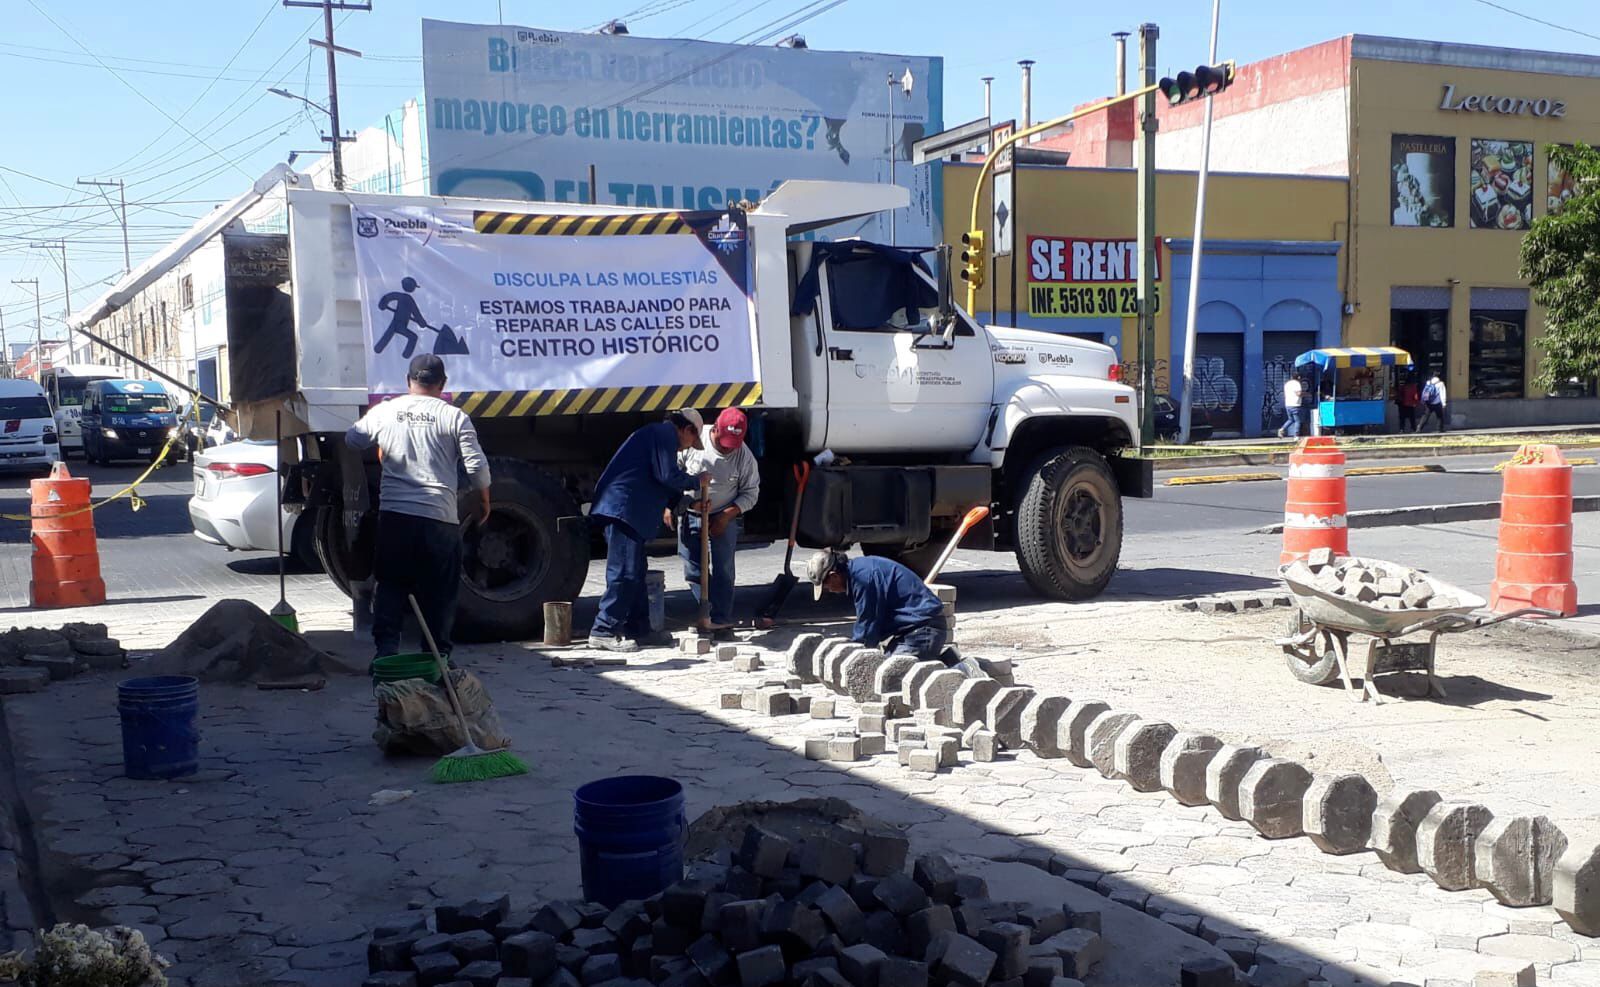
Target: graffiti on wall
{"x": 1133, "y": 376}
{"x": 1214, "y": 390}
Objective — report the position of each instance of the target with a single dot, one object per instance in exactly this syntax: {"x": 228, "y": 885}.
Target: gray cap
{"x": 820, "y": 565}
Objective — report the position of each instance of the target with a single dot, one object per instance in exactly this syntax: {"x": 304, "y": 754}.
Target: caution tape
{"x": 538, "y": 224}
{"x": 1348, "y": 445}
{"x": 598, "y": 400}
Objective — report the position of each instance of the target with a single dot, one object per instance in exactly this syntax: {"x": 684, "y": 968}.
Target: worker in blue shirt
{"x": 891, "y": 603}
{"x": 641, "y": 481}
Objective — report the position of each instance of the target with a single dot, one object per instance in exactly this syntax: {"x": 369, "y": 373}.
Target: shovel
{"x": 967, "y": 523}
{"x": 703, "y": 624}
{"x": 767, "y": 613}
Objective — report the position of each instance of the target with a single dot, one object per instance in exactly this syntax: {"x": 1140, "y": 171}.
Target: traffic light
{"x": 973, "y": 260}
{"x": 1207, "y": 80}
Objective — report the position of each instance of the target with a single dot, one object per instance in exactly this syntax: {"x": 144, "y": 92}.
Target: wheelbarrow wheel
{"x": 1316, "y": 662}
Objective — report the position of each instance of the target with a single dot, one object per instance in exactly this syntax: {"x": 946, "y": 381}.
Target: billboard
{"x": 1422, "y": 180}
{"x": 1086, "y": 277}
{"x": 556, "y": 308}
{"x": 522, "y": 113}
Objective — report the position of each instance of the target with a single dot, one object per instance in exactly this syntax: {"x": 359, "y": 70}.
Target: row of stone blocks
{"x": 1521, "y": 860}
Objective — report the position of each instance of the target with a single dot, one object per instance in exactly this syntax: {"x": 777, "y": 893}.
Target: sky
{"x": 171, "y": 97}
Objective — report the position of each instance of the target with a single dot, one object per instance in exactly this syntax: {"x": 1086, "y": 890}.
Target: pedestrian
{"x": 891, "y": 603}
{"x": 423, "y": 442}
{"x": 1408, "y": 397}
{"x": 642, "y": 480}
{"x": 1436, "y": 402}
{"x": 735, "y": 488}
{"x": 1292, "y": 391}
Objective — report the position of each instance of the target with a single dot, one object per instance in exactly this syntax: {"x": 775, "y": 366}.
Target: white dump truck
{"x": 853, "y": 349}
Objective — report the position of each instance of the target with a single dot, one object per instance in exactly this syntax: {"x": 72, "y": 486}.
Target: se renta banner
{"x": 522, "y": 113}
{"x": 565, "y": 312}
{"x": 1086, "y": 277}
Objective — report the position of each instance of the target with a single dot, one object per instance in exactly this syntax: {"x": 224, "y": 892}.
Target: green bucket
{"x": 412, "y": 666}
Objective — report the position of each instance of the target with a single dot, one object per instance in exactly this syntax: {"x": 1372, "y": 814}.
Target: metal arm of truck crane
{"x": 152, "y": 371}
{"x": 998, "y": 149}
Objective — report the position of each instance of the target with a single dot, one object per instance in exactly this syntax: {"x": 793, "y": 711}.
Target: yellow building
{"x": 1270, "y": 279}
{"x": 1446, "y": 150}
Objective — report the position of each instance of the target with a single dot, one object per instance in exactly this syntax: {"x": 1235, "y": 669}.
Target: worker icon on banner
{"x": 406, "y": 313}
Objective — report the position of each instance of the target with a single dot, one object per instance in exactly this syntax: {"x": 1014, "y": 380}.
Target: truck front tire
{"x": 1069, "y": 525}
{"x": 534, "y": 549}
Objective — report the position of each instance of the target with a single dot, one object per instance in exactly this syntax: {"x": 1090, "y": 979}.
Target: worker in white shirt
{"x": 1435, "y": 403}
{"x": 1292, "y": 392}
{"x": 735, "y": 488}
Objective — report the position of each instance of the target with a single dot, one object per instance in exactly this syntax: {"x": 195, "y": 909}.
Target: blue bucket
{"x": 159, "y": 737}
{"x": 630, "y": 837}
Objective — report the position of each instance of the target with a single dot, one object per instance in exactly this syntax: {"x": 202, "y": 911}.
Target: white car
{"x": 28, "y": 437}
{"x": 235, "y": 499}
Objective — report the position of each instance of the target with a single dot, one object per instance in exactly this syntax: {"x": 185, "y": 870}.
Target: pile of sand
{"x": 235, "y": 641}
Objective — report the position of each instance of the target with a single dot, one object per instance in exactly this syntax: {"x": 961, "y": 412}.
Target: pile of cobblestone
{"x": 33, "y": 657}
{"x": 776, "y": 912}
{"x": 1384, "y": 585}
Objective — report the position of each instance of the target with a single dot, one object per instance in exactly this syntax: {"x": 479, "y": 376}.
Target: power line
{"x": 1538, "y": 20}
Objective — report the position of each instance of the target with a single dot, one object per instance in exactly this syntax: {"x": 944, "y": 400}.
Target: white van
{"x": 28, "y": 437}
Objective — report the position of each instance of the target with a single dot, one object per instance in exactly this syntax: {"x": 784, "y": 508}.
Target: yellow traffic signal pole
{"x": 1001, "y": 146}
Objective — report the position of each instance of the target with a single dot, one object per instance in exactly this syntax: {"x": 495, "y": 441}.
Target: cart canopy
{"x": 1355, "y": 356}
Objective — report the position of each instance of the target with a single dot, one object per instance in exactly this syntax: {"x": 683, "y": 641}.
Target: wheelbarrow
{"x": 1317, "y": 648}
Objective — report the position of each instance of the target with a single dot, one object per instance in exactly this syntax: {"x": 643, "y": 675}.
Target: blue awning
{"x": 1355, "y": 356}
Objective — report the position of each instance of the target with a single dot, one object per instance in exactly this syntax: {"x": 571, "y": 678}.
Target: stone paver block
{"x": 971, "y": 701}
{"x": 1506, "y": 972}
{"x": 1446, "y": 840}
{"x": 801, "y": 659}
{"x": 911, "y": 685}
{"x": 833, "y": 665}
{"x": 1072, "y": 730}
{"x": 1272, "y": 796}
{"x": 1394, "y": 829}
{"x": 15, "y": 681}
{"x": 1041, "y": 719}
{"x": 923, "y": 759}
{"x": 1004, "y": 714}
{"x": 985, "y": 746}
{"x": 1515, "y": 858}
{"x": 1535, "y": 949}
{"x": 1224, "y": 774}
{"x": 938, "y": 694}
{"x": 1576, "y": 888}
{"x": 1102, "y": 740}
{"x": 861, "y": 673}
{"x": 1337, "y": 812}
{"x": 873, "y": 743}
{"x": 1183, "y": 766}
{"x": 57, "y": 668}
{"x": 823, "y": 709}
{"x": 1137, "y": 754}
{"x": 891, "y": 674}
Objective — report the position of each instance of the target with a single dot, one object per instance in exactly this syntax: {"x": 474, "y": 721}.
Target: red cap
{"x": 732, "y": 426}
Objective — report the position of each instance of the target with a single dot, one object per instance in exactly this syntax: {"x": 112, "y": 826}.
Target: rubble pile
{"x": 1383, "y": 585}
{"x": 775, "y": 912}
{"x": 33, "y": 657}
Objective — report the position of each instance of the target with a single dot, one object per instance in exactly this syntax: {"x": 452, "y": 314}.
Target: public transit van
{"x": 127, "y": 419}
{"x": 28, "y": 438}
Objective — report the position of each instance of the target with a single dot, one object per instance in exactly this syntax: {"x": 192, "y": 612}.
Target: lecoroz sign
{"x": 1507, "y": 105}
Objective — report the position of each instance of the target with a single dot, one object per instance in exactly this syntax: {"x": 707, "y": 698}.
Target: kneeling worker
{"x": 642, "y": 480}
{"x": 735, "y": 488}
{"x": 891, "y": 603}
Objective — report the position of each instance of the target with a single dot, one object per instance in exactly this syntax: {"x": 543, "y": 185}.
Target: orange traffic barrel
{"x": 1534, "y": 565}
{"x": 1314, "y": 513}
{"x": 66, "y": 558}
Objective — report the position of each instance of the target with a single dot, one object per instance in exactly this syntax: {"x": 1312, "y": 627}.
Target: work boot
{"x": 622, "y": 645}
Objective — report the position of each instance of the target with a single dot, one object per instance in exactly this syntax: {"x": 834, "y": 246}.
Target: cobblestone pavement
{"x": 270, "y": 866}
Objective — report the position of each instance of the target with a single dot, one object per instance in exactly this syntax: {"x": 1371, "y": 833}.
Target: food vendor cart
{"x": 1350, "y": 385}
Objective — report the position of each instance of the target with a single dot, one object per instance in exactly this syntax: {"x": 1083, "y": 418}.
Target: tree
{"x": 1561, "y": 261}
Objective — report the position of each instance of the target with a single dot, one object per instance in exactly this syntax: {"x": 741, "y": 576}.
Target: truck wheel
{"x": 521, "y": 558}
{"x": 919, "y": 560}
{"x": 344, "y": 565}
{"x": 1069, "y": 525}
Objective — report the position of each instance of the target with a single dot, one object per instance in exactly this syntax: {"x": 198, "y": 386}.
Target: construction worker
{"x": 642, "y": 480}
{"x": 891, "y": 603}
{"x": 735, "y": 488}
{"x": 422, "y": 442}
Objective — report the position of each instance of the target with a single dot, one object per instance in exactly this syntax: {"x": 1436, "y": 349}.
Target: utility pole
{"x": 66, "y": 286}
{"x": 338, "y": 138}
{"x": 5, "y": 348}
{"x": 1148, "y": 33}
{"x": 122, "y": 203}
{"x": 38, "y": 322}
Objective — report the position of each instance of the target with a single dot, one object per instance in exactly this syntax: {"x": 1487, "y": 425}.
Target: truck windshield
{"x": 138, "y": 404}
{"x": 878, "y": 290}
{"x": 25, "y": 406}
{"x": 69, "y": 391}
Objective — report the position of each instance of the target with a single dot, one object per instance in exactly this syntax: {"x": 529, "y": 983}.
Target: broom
{"x": 470, "y": 763}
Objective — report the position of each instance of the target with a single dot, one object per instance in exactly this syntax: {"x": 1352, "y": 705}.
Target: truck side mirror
{"x": 947, "y": 310}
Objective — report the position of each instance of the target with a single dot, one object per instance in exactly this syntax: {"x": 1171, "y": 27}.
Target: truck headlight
{"x": 109, "y": 433}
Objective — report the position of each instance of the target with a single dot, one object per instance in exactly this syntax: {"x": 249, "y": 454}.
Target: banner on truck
{"x": 539, "y": 314}
{"x": 1086, "y": 277}
{"x": 519, "y": 113}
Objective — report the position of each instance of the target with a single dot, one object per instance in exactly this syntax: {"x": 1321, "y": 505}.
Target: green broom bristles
{"x": 472, "y": 764}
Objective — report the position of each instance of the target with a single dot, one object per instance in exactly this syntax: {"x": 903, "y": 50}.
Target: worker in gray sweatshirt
{"x": 735, "y": 488}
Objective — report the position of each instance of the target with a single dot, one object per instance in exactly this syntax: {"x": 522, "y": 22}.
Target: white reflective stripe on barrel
{"x": 1291, "y": 520}
{"x": 1315, "y": 471}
